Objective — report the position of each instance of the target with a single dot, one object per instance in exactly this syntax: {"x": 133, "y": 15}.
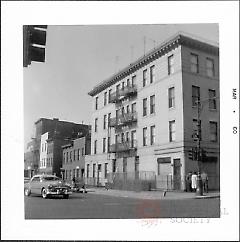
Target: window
{"x": 109, "y": 117}
{"x": 144, "y": 78}
{"x": 104, "y": 145}
{"x": 122, "y": 137}
{"x": 95, "y": 147}
{"x": 109, "y": 95}
{"x": 144, "y": 106}
{"x": 194, "y": 63}
{"x": 117, "y": 113}
{"x": 83, "y": 153}
{"x": 128, "y": 83}
{"x": 170, "y": 65}
{"x": 96, "y": 103}
{"x": 95, "y": 125}
{"x": 133, "y": 107}
{"x": 105, "y": 99}
{"x": 152, "y": 135}
{"x": 212, "y": 99}
{"x": 114, "y": 165}
{"x": 104, "y": 121}
{"x": 78, "y": 154}
{"x": 144, "y": 136}
{"x": 127, "y": 136}
{"x": 87, "y": 170}
{"x": 133, "y": 139}
{"x": 108, "y": 144}
{"x": 99, "y": 167}
{"x": 67, "y": 157}
{"x": 172, "y": 131}
{"x": 105, "y": 170}
{"x": 74, "y": 155}
{"x": 213, "y": 131}
{"x": 122, "y": 85}
{"x": 152, "y": 74}
{"x": 134, "y": 80}
{"x": 94, "y": 169}
{"x": 117, "y": 89}
{"x": 71, "y": 156}
{"x": 195, "y": 95}
{"x": 122, "y": 111}
{"x": 210, "y": 67}
{"x": 152, "y": 104}
{"x": 171, "y": 97}
{"x": 128, "y": 109}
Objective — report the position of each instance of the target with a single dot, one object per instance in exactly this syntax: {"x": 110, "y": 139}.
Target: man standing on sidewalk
{"x": 204, "y": 177}
{"x": 194, "y": 181}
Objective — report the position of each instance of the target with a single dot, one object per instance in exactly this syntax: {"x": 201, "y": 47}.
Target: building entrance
{"x": 176, "y": 174}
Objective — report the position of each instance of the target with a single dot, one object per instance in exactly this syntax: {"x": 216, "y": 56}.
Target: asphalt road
{"x": 92, "y": 205}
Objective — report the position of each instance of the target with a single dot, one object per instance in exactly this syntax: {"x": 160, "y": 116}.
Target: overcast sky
{"x": 79, "y": 57}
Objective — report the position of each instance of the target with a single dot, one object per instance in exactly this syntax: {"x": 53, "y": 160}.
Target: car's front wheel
{"x": 27, "y": 192}
{"x": 44, "y": 193}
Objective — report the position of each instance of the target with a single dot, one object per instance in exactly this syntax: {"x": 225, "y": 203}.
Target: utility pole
{"x": 199, "y": 191}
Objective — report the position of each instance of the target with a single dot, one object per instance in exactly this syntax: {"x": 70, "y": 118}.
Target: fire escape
{"x": 123, "y": 122}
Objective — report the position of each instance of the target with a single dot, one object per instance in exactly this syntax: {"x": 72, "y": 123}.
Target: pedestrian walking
{"x": 194, "y": 181}
{"x": 189, "y": 182}
{"x": 74, "y": 181}
{"x": 204, "y": 177}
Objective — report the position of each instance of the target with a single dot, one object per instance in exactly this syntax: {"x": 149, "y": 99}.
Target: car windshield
{"x": 51, "y": 178}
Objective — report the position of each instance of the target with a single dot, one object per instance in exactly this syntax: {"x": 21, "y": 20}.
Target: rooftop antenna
{"x": 154, "y": 43}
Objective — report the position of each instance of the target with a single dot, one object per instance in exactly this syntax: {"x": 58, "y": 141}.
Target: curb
{"x": 205, "y": 197}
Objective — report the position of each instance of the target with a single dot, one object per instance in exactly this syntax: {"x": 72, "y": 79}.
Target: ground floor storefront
{"x": 159, "y": 169}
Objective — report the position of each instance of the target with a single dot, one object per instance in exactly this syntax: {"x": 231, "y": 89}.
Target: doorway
{"x": 176, "y": 174}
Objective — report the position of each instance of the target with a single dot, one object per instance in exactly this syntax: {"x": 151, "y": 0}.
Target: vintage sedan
{"x": 47, "y": 185}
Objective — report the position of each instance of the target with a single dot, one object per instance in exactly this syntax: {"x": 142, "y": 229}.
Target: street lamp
{"x": 199, "y": 190}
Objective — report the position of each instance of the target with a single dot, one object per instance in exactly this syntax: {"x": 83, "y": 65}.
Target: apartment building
{"x": 144, "y": 118}
{"x": 50, "y": 135}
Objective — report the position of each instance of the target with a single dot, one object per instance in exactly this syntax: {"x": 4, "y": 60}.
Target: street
{"x": 98, "y": 206}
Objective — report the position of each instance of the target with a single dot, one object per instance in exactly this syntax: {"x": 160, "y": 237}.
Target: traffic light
{"x": 190, "y": 154}
{"x": 34, "y": 41}
{"x": 203, "y": 154}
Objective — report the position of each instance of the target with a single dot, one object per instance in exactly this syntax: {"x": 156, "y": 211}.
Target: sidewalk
{"x": 153, "y": 195}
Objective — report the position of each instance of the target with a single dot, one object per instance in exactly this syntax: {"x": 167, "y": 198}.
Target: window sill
{"x": 212, "y": 110}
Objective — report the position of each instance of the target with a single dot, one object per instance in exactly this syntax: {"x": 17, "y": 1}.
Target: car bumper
{"x": 58, "y": 192}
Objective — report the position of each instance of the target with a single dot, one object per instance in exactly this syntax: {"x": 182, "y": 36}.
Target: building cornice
{"x": 161, "y": 50}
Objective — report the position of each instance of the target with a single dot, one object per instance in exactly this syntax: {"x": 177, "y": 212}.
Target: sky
{"x": 78, "y": 57}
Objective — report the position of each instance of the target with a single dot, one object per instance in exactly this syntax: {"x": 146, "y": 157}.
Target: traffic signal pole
{"x": 199, "y": 190}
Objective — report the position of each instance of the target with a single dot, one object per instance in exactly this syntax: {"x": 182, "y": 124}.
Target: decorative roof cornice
{"x": 161, "y": 50}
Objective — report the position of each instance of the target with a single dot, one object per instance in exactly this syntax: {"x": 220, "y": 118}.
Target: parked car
{"x": 47, "y": 185}
{"x": 78, "y": 185}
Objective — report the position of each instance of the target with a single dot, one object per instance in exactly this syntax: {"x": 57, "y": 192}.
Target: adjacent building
{"x": 74, "y": 153}
{"x": 144, "y": 118}
{"x": 50, "y": 136}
